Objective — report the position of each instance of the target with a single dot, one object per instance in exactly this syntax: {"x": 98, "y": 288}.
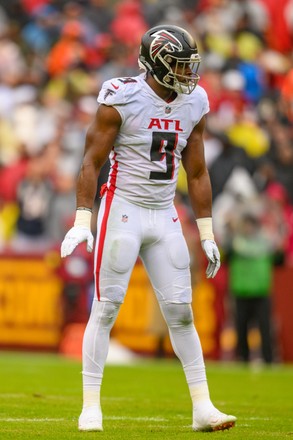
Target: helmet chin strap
{"x": 156, "y": 71}
{"x": 156, "y": 75}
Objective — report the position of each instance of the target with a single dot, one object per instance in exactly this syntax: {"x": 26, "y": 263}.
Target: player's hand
{"x": 213, "y": 255}
{"x": 74, "y": 236}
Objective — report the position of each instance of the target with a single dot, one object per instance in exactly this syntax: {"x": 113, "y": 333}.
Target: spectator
{"x": 34, "y": 195}
{"x": 250, "y": 257}
{"x": 128, "y": 25}
{"x": 287, "y": 95}
{"x": 282, "y": 156}
{"x": 277, "y": 217}
{"x": 99, "y": 15}
{"x": 230, "y": 158}
{"x": 69, "y": 52}
{"x": 42, "y": 31}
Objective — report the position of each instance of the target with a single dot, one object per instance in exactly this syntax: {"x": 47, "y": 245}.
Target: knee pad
{"x": 104, "y": 313}
{"x": 177, "y": 315}
{"x": 114, "y": 294}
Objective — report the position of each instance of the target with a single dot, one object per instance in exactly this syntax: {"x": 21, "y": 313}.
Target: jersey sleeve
{"x": 111, "y": 93}
{"x": 203, "y": 97}
{"x": 117, "y": 92}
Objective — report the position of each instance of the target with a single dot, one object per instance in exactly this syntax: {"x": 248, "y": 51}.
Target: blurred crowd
{"x": 54, "y": 56}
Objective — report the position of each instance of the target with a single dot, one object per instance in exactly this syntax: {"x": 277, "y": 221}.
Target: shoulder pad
{"x": 200, "y": 95}
{"x": 118, "y": 91}
{"x": 201, "y": 92}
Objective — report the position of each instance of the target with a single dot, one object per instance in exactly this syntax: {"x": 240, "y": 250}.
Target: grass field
{"x": 40, "y": 398}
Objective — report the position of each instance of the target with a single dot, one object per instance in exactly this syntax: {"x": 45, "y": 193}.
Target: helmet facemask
{"x": 176, "y": 77}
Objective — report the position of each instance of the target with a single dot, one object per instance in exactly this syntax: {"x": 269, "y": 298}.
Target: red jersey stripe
{"x": 103, "y": 230}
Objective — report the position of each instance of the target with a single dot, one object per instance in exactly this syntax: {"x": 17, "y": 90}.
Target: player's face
{"x": 183, "y": 72}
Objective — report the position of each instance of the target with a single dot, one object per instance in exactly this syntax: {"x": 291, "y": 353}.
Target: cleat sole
{"x": 224, "y": 426}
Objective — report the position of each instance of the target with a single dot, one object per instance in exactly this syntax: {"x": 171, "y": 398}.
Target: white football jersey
{"x": 146, "y": 155}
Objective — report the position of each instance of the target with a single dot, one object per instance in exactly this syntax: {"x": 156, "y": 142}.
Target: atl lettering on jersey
{"x": 165, "y": 124}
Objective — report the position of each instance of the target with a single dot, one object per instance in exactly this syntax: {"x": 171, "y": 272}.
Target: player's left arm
{"x": 198, "y": 180}
{"x": 200, "y": 194}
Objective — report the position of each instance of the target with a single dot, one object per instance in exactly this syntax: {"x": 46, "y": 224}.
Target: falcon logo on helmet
{"x": 164, "y": 40}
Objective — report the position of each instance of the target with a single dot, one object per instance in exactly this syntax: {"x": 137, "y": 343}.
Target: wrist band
{"x": 205, "y": 227}
{"x": 83, "y": 208}
{"x": 83, "y": 218}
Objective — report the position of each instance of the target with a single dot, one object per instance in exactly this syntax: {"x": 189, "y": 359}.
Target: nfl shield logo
{"x": 124, "y": 218}
{"x": 168, "y": 110}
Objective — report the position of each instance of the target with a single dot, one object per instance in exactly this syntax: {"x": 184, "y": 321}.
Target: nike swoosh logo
{"x": 115, "y": 87}
{"x": 174, "y": 219}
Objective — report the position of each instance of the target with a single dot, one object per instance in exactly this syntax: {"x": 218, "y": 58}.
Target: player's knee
{"x": 177, "y": 291}
{"x": 114, "y": 293}
{"x": 110, "y": 313}
{"x": 104, "y": 313}
{"x": 177, "y": 315}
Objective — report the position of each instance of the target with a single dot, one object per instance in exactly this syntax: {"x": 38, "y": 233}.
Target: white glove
{"x": 74, "y": 236}
{"x": 213, "y": 255}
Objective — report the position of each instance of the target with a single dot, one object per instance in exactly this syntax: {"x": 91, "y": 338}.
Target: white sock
{"x": 200, "y": 397}
{"x": 186, "y": 345}
{"x": 91, "y": 398}
{"x": 95, "y": 349}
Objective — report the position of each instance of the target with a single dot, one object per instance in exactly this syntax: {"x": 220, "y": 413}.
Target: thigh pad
{"x": 122, "y": 252}
{"x": 178, "y": 251}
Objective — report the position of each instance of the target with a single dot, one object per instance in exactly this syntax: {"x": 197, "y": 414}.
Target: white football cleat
{"x": 91, "y": 419}
{"x": 212, "y": 421}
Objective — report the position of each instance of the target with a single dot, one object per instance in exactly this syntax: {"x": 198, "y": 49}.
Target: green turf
{"x": 40, "y": 398}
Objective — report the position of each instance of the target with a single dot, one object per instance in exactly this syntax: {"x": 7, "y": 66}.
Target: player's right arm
{"x": 100, "y": 139}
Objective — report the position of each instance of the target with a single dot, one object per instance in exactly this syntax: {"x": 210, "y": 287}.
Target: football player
{"x": 146, "y": 125}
